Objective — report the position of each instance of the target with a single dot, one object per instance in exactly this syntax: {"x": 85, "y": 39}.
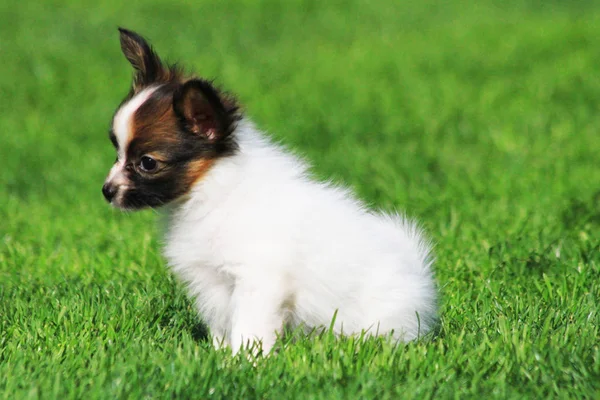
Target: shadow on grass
{"x": 199, "y": 332}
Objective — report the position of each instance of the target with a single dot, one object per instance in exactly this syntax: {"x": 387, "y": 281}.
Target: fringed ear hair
{"x": 203, "y": 111}
{"x": 148, "y": 66}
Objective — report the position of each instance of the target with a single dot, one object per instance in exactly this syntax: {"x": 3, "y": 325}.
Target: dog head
{"x": 168, "y": 131}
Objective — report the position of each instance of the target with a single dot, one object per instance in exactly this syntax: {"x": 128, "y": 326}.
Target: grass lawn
{"x": 481, "y": 119}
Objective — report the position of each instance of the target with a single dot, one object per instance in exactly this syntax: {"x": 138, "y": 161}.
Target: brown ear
{"x": 148, "y": 66}
{"x": 201, "y": 110}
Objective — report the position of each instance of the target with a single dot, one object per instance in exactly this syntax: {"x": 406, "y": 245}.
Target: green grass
{"x": 481, "y": 120}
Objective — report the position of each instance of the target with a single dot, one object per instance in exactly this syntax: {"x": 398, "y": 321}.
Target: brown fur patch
{"x": 156, "y": 132}
{"x": 197, "y": 169}
{"x": 154, "y": 122}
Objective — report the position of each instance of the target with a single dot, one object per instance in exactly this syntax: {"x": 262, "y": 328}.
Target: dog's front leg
{"x": 257, "y": 315}
{"x": 219, "y": 338}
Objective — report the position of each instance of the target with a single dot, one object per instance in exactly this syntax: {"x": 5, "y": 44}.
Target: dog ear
{"x": 203, "y": 111}
{"x": 148, "y": 66}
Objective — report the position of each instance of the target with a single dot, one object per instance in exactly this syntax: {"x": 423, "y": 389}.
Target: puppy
{"x": 260, "y": 244}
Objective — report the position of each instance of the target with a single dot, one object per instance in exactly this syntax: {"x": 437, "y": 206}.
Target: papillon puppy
{"x": 260, "y": 244}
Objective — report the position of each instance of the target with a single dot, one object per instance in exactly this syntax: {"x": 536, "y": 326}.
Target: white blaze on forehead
{"x": 123, "y": 130}
{"x": 122, "y": 123}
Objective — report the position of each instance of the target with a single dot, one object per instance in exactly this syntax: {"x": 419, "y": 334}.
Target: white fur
{"x": 122, "y": 123}
{"x": 260, "y": 245}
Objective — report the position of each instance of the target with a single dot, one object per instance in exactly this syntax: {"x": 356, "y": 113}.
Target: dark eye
{"x": 148, "y": 164}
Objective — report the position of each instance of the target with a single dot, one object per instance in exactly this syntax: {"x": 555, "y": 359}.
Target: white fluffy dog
{"x": 260, "y": 244}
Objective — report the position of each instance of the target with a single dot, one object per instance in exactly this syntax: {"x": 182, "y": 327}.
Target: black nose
{"x": 109, "y": 191}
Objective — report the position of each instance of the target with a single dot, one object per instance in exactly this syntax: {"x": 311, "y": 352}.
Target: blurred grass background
{"x": 478, "y": 118}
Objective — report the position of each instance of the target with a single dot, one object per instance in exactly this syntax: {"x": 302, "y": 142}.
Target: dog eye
{"x": 148, "y": 164}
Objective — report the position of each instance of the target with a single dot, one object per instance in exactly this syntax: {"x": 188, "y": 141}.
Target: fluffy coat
{"x": 260, "y": 244}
